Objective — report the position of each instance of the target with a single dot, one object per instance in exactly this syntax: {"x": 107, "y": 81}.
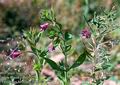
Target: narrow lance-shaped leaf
{"x": 56, "y": 42}
{"x": 68, "y": 36}
{"x": 43, "y": 53}
{"x": 67, "y": 48}
{"x": 53, "y": 65}
{"x": 80, "y": 60}
{"x": 59, "y": 25}
{"x": 37, "y": 38}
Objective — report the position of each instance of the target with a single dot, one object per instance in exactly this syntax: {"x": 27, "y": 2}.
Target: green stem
{"x": 66, "y": 77}
{"x": 37, "y": 77}
{"x": 65, "y": 81}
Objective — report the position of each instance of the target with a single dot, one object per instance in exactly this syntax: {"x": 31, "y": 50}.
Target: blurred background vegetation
{"x": 16, "y": 15}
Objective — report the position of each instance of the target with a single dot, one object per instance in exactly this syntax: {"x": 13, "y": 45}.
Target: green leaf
{"x": 60, "y": 75}
{"x": 27, "y": 34}
{"x": 59, "y": 25}
{"x": 80, "y": 60}
{"x": 56, "y": 42}
{"x": 52, "y": 34}
{"x": 43, "y": 53}
{"x": 53, "y": 64}
{"x": 36, "y": 67}
{"x": 28, "y": 37}
{"x": 67, "y": 48}
{"x": 37, "y": 38}
{"x": 48, "y": 15}
{"x": 108, "y": 66}
{"x": 68, "y": 36}
{"x": 52, "y": 14}
{"x": 36, "y": 51}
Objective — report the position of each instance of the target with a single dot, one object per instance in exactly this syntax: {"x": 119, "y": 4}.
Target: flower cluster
{"x": 86, "y": 33}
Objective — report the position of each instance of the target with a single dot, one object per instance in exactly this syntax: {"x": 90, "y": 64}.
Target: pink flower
{"x": 15, "y": 54}
{"x": 86, "y": 33}
{"x": 51, "y": 47}
{"x": 44, "y": 26}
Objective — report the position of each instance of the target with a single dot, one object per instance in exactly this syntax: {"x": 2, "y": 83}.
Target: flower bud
{"x": 44, "y": 26}
{"x": 15, "y": 54}
{"x": 86, "y": 33}
{"x": 51, "y": 47}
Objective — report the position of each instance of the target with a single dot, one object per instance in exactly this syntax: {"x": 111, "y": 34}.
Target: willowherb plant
{"x": 62, "y": 39}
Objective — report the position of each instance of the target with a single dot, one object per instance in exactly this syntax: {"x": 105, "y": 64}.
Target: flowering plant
{"x": 59, "y": 39}
{"x": 94, "y": 47}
